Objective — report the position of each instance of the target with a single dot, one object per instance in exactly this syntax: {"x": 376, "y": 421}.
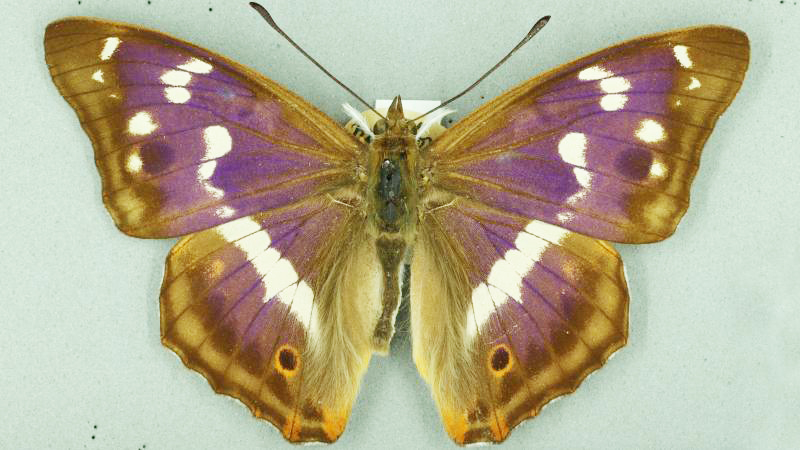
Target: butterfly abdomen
{"x": 391, "y": 254}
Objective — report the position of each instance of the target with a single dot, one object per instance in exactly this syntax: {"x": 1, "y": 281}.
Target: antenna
{"x": 535, "y": 29}
{"x": 265, "y": 14}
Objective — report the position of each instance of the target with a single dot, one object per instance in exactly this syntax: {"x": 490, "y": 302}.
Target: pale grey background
{"x": 714, "y": 353}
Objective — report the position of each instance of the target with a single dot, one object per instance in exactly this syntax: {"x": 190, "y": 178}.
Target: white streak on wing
{"x": 358, "y": 118}
{"x": 238, "y": 228}
{"x": 431, "y": 120}
{"x": 218, "y": 141}
{"x": 253, "y": 241}
{"x": 615, "y": 85}
{"x": 134, "y": 163}
{"x": 482, "y": 307}
{"x": 506, "y": 276}
{"x": 286, "y": 296}
{"x": 682, "y": 55}
{"x": 254, "y": 245}
{"x": 498, "y": 298}
{"x": 196, "y": 65}
{"x": 650, "y": 131}
{"x": 304, "y": 299}
{"x": 694, "y": 84}
{"x": 176, "y": 77}
{"x": 264, "y": 262}
{"x": 613, "y": 102}
{"x": 176, "y": 94}
{"x": 303, "y": 307}
{"x": 531, "y": 246}
{"x": 572, "y": 149}
{"x": 278, "y": 277}
{"x": 204, "y": 173}
{"x": 206, "y": 170}
{"x": 98, "y": 75}
{"x": 520, "y": 262}
{"x": 109, "y": 48}
{"x": 247, "y": 235}
{"x": 584, "y": 179}
{"x": 658, "y": 170}
{"x": 521, "y": 266}
{"x": 141, "y": 124}
{"x": 503, "y": 276}
{"x": 594, "y": 73}
{"x": 583, "y": 176}
{"x": 281, "y": 275}
{"x": 544, "y": 230}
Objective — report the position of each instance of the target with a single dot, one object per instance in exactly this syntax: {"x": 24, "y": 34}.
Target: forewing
{"x": 256, "y": 304}
{"x": 507, "y": 315}
{"x": 185, "y": 139}
{"x": 607, "y": 145}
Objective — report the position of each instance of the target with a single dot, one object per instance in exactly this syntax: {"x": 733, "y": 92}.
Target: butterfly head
{"x": 395, "y": 125}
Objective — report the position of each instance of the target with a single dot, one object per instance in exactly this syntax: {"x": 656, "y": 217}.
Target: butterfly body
{"x": 295, "y": 231}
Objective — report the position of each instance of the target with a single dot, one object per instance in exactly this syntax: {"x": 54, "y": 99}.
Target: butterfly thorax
{"x": 391, "y": 175}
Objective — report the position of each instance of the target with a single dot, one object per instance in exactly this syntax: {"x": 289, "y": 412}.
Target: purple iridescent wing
{"x": 185, "y": 139}
{"x": 510, "y": 310}
{"x": 188, "y": 142}
{"x": 508, "y": 314}
{"x": 271, "y": 309}
{"x": 607, "y": 145}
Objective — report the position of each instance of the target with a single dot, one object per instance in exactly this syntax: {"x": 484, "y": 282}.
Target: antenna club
{"x": 534, "y": 30}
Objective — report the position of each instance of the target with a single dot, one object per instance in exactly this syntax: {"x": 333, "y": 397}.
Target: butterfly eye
{"x": 287, "y": 360}
{"x": 380, "y": 126}
{"x": 414, "y": 127}
{"x": 500, "y": 360}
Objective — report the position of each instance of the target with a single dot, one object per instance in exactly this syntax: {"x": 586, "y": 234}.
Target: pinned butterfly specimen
{"x": 296, "y": 231}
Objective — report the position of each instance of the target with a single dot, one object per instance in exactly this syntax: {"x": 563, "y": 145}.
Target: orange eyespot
{"x": 287, "y": 360}
{"x": 500, "y": 360}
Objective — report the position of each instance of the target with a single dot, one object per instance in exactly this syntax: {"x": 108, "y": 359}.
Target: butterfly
{"x": 295, "y": 231}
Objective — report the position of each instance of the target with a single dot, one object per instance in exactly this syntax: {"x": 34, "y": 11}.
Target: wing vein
{"x": 554, "y": 275}
{"x": 543, "y": 200}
